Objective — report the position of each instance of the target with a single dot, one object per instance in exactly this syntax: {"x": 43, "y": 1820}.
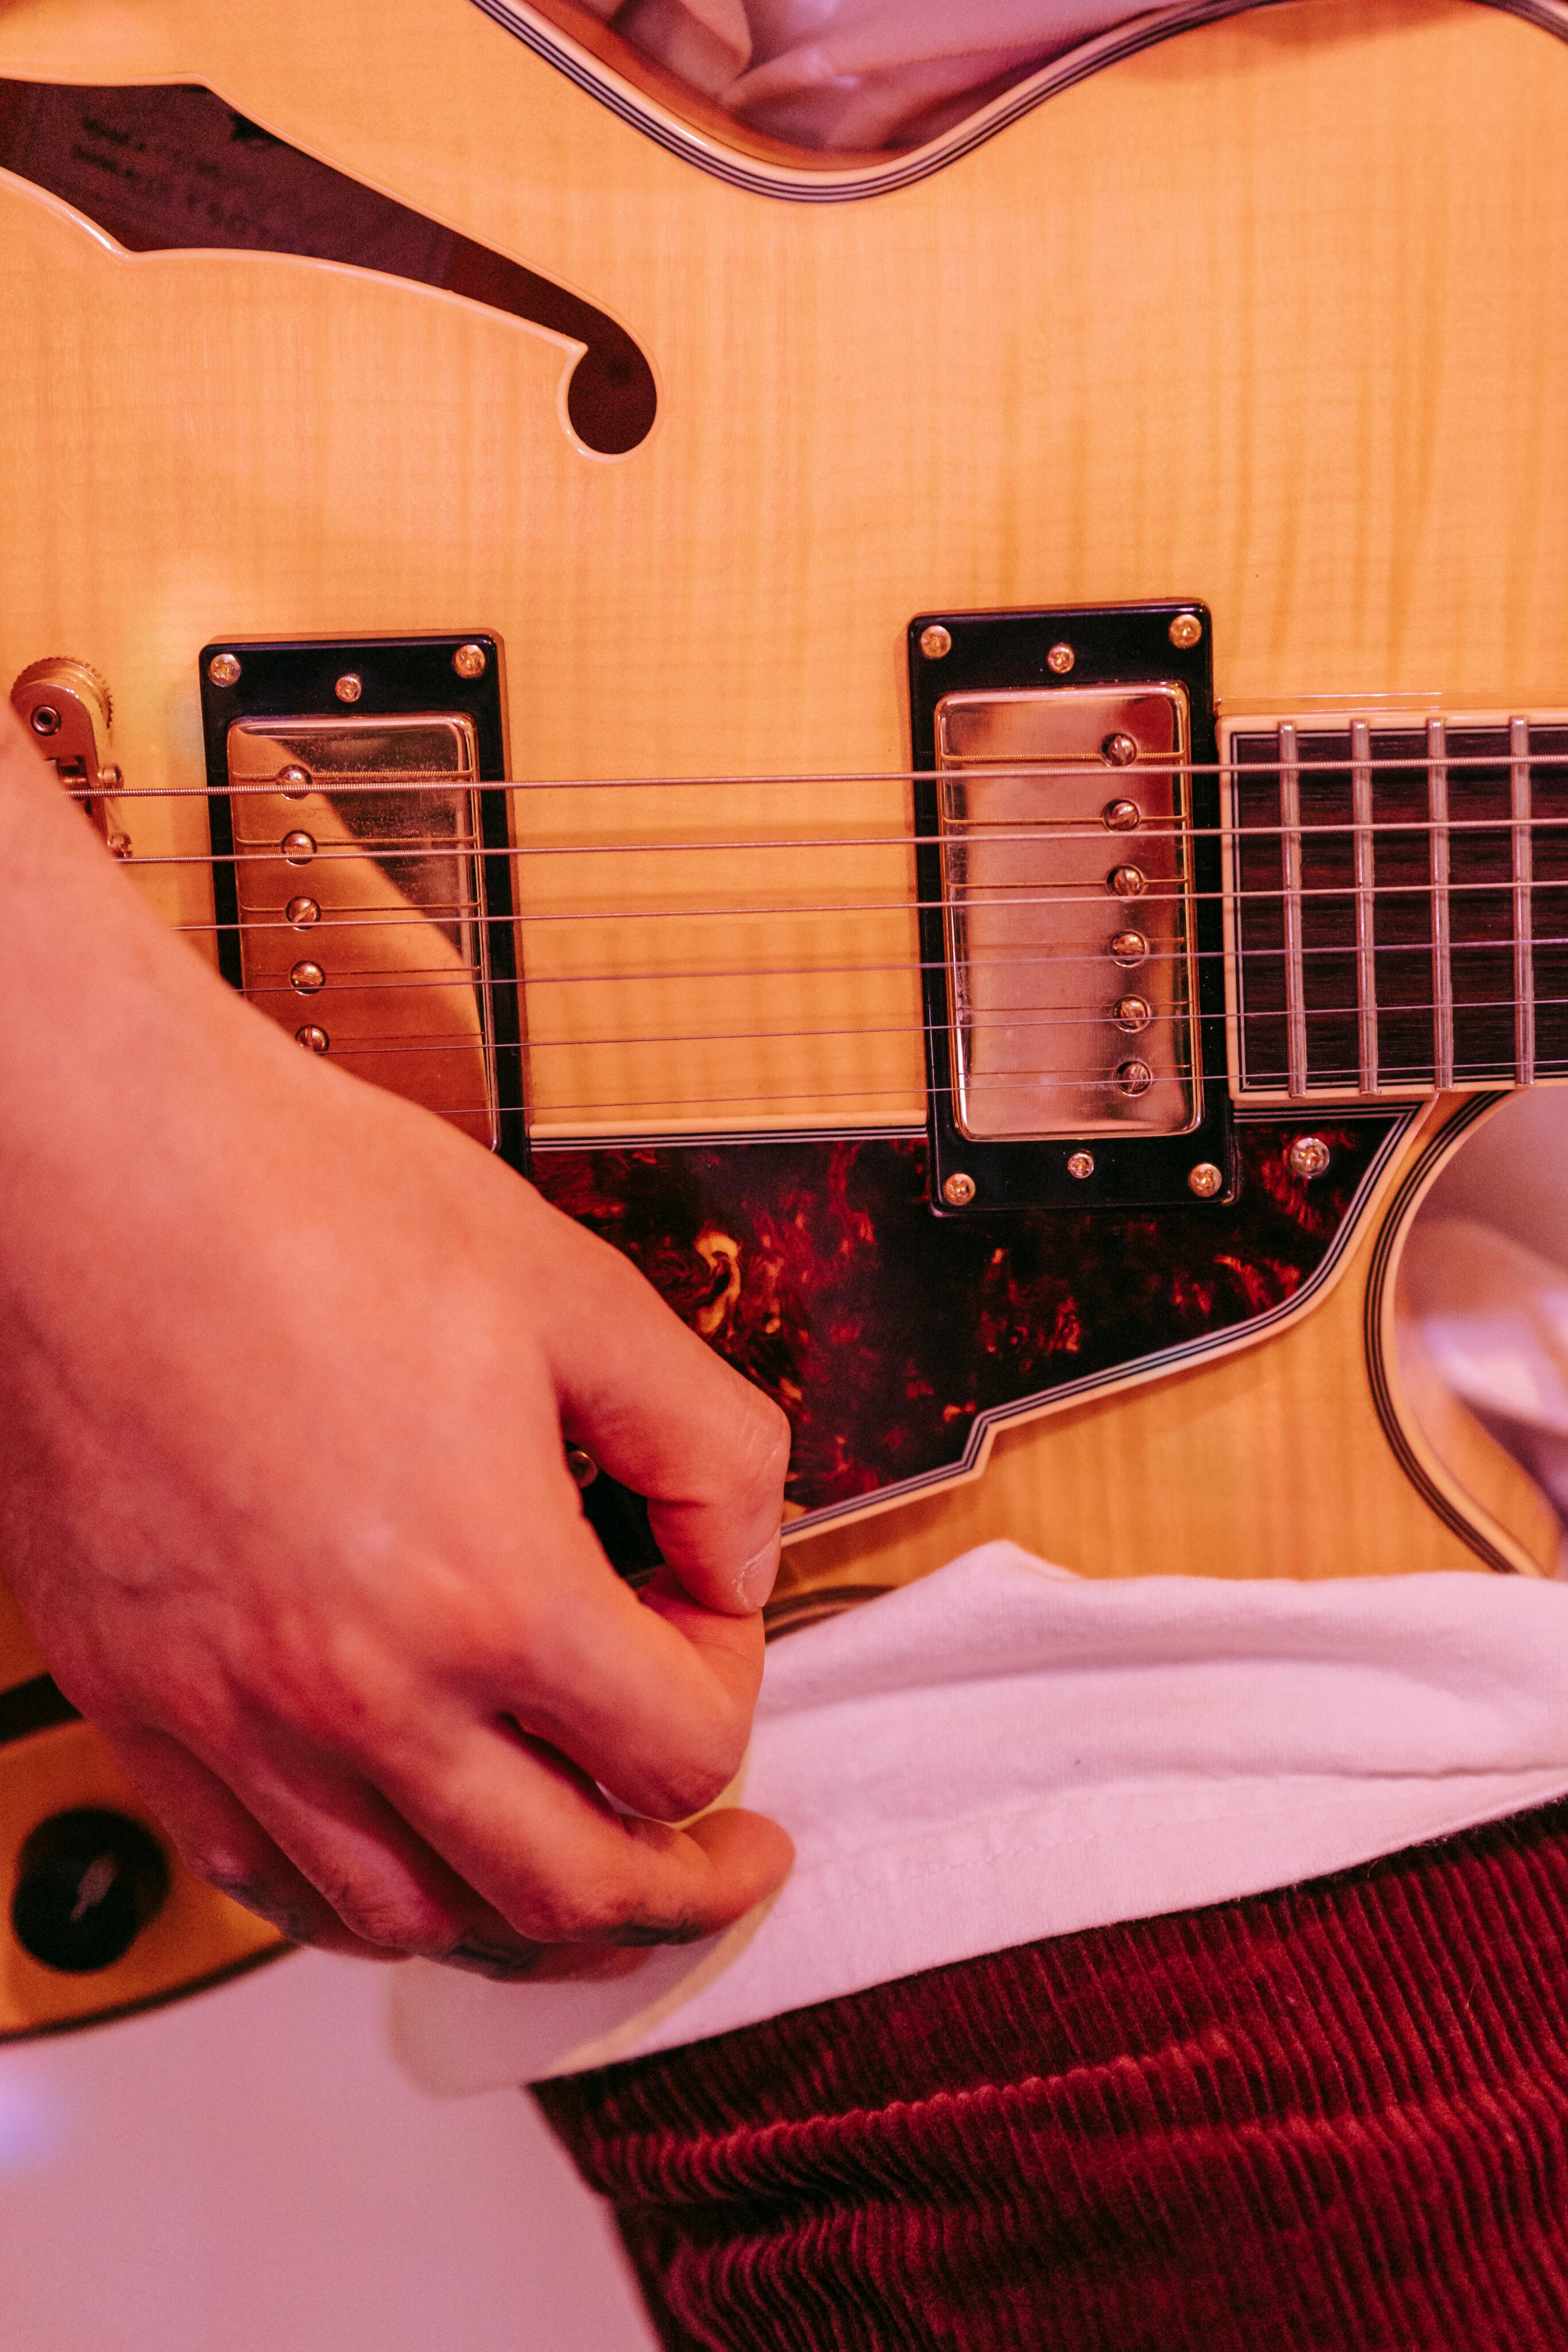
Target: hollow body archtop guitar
{"x": 965, "y": 752}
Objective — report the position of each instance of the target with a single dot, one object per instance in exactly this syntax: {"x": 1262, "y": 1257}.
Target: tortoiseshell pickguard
{"x": 886, "y": 1333}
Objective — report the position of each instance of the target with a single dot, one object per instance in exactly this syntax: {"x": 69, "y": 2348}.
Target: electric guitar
{"x": 966, "y": 752}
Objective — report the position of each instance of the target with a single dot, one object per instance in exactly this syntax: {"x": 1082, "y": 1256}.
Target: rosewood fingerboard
{"x": 1401, "y": 907}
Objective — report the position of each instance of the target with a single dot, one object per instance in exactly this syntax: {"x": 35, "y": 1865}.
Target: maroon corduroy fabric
{"x": 1335, "y": 2117}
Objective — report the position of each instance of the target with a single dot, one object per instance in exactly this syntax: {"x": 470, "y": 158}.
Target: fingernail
{"x": 756, "y": 1578}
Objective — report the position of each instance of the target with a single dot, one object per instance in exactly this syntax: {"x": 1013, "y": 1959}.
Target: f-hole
{"x": 171, "y": 167}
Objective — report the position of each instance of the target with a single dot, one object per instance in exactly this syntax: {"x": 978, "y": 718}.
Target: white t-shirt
{"x": 1005, "y": 1751}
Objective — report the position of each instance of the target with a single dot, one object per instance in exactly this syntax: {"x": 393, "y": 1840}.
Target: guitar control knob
{"x": 88, "y": 1882}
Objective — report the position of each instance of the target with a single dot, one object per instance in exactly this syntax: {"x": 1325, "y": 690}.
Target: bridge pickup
{"x": 1065, "y": 837}
{"x": 363, "y": 897}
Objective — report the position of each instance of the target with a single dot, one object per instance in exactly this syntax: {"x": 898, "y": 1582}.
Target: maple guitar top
{"x": 602, "y": 449}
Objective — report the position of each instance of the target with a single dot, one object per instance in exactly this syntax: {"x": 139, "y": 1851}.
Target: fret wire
{"x": 1365, "y": 935}
{"x": 1442, "y": 956}
{"x": 1291, "y": 868}
{"x": 1520, "y": 798}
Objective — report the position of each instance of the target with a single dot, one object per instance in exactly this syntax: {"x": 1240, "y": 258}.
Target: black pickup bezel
{"x": 296, "y": 678}
{"x": 1113, "y": 645}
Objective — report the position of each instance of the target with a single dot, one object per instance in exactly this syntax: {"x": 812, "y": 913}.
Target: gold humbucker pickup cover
{"x": 1067, "y": 887}
{"x": 357, "y": 846}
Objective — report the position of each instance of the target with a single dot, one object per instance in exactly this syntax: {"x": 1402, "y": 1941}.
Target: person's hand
{"x": 287, "y": 1373}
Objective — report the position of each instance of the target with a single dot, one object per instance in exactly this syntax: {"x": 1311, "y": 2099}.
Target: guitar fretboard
{"x": 1401, "y": 907}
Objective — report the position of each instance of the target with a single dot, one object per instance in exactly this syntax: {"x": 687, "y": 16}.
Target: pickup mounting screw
{"x": 1126, "y": 882}
{"x": 1310, "y": 1157}
{"x": 1134, "y": 1078}
{"x": 1081, "y": 1165}
{"x": 349, "y": 686}
{"x": 1185, "y": 631}
{"x": 300, "y": 848}
{"x": 959, "y": 1191}
{"x": 1205, "y": 1180}
{"x": 468, "y": 661}
{"x": 936, "y": 641}
{"x": 295, "y": 780}
{"x": 1061, "y": 659}
{"x": 224, "y": 669}
{"x": 1130, "y": 947}
{"x": 307, "y": 978}
{"x": 314, "y": 1040}
{"x": 46, "y": 719}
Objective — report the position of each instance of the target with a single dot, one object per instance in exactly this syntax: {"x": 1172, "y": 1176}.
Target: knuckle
{"x": 225, "y": 1872}
{"x": 590, "y": 1911}
{"x": 394, "y": 1920}
{"x": 694, "y": 1783}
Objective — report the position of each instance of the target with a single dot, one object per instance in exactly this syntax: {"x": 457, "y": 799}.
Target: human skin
{"x": 287, "y": 1369}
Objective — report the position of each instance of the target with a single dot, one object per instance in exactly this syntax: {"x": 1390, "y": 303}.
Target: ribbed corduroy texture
{"x": 1334, "y": 2117}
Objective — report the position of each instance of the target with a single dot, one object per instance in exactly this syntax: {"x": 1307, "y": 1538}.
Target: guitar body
{"x": 1269, "y": 314}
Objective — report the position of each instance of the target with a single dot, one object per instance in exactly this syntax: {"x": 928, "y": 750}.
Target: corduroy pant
{"x": 1333, "y": 2117}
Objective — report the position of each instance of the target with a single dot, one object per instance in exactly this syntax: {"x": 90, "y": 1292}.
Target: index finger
{"x": 661, "y": 1411}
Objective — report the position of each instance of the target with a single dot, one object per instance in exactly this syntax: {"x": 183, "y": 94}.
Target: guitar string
{"x": 1078, "y": 765}
{"x": 1018, "y": 896}
{"x": 1095, "y": 1018}
{"x": 332, "y": 924}
{"x": 1397, "y": 1080}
